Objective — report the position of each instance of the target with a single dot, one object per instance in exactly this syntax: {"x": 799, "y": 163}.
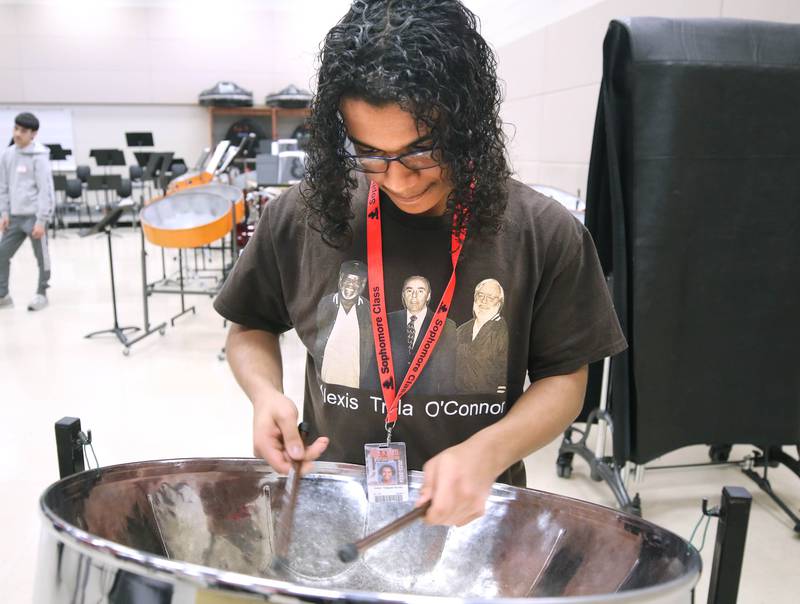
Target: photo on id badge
{"x": 387, "y": 475}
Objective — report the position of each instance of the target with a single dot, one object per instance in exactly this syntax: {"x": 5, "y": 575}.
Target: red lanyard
{"x": 380, "y": 324}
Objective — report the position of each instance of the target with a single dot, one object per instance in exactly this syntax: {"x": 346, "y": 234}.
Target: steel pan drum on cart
{"x": 192, "y": 218}
{"x": 201, "y": 531}
{"x": 189, "y": 180}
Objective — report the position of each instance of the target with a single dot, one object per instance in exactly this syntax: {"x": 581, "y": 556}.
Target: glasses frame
{"x": 387, "y": 159}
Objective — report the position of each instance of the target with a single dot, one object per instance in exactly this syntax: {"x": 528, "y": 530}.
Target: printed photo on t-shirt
{"x": 408, "y": 328}
{"x": 469, "y": 359}
{"x": 344, "y": 330}
{"x": 482, "y": 348}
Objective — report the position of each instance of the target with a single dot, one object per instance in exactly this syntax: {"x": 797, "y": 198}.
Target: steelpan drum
{"x": 189, "y": 180}
{"x": 192, "y": 218}
{"x": 202, "y": 531}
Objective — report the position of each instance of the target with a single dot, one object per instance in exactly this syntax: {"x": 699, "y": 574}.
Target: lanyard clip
{"x": 389, "y": 427}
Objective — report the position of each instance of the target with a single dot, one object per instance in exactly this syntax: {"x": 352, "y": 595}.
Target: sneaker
{"x": 6, "y": 301}
{"x": 38, "y": 303}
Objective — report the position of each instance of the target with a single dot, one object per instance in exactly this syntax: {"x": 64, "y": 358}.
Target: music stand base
{"x": 123, "y": 338}
{"x": 117, "y": 331}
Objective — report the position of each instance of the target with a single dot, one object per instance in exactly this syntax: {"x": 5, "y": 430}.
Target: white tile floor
{"x": 172, "y": 398}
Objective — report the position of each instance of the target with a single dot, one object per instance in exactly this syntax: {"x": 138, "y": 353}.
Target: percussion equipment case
{"x": 694, "y": 204}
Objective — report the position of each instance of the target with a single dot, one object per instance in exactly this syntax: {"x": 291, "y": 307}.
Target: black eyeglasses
{"x": 413, "y": 160}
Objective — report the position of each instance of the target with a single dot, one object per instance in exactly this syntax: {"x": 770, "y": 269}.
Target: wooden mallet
{"x": 351, "y": 551}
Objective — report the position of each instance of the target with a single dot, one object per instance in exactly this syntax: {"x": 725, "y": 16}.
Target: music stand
{"x": 108, "y": 157}
{"x": 105, "y": 225}
{"x": 157, "y": 164}
{"x": 139, "y": 139}
{"x": 57, "y": 153}
{"x": 142, "y": 157}
{"x": 103, "y": 182}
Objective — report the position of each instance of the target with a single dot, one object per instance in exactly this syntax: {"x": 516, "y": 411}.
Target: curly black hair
{"x": 428, "y": 57}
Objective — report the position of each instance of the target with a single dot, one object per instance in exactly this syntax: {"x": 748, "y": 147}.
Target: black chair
{"x": 73, "y": 188}
{"x": 124, "y": 189}
{"x": 59, "y": 184}
{"x": 176, "y": 170}
{"x": 74, "y": 198}
{"x": 83, "y": 172}
{"x": 136, "y": 174}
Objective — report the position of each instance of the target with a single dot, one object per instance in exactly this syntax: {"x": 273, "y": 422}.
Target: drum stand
{"x": 601, "y": 467}
{"x": 184, "y": 310}
{"x": 225, "y": 272}
{"x": 106, "y": 225}
{"x": 161, "y": 327}
{"x": 605, "y": 468}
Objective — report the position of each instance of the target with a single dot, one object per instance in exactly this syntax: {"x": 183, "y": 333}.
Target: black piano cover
{"x": 694, "y": 203}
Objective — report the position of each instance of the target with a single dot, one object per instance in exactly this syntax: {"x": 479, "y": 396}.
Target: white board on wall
{"x": 55, "y": 127}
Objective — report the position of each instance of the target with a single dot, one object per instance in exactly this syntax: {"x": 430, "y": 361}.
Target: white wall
{"x": 181, "y": 129}
{"x": 122, "y": 66}
{"x": 552, "y": 79}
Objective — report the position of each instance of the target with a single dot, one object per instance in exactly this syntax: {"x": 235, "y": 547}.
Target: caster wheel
{"x": 719, "y": 453}
{"x": 126, "y": 352}
{"x": 636, "y": 506}
{"x": 220, "y": 357}
{"x": 564, "y": 465}
{"x": 162, "y": 331}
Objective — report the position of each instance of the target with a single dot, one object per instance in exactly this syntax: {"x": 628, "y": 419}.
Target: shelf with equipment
{"x": 270, "y": 118}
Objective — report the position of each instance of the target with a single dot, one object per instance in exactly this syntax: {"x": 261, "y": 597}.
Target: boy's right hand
{"x": 4, "y": 220}
{"x": 276, "y": 438}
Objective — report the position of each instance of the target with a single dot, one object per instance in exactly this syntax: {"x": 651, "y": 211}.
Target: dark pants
{"x": 18, "y": 228}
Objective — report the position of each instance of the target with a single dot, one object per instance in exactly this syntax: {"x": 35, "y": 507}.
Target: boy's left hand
{"x": 457, "y": 481}
{"x": 38, "y": 231}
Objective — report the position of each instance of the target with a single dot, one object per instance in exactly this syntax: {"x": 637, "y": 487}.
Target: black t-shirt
{"x": 528, "y": 299}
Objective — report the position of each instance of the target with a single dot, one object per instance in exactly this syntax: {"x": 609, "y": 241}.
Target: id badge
{"x": 387, "y": 472}
{"x": 22, "y": 169}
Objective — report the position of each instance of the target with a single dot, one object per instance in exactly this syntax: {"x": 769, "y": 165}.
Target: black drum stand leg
{"x": 600, "y": 468}
{"x": 184, "y": 310}
{"x": 163, "y": 266}
{"x": 68, "y": 447}
{"x": 148, "y": 330}
{"x": 734, "y": 513}
{"x": 771, "y": 456}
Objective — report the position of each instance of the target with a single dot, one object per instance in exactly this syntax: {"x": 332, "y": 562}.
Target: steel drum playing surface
{"x": 211, "y": 522}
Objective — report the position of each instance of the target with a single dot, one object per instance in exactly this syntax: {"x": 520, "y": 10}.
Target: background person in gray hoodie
{"x": 26, "y": 205}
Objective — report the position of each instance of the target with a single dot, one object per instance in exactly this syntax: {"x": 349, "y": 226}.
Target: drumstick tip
{"x": 278, "y": 563}
{"x": 348, "y": 552}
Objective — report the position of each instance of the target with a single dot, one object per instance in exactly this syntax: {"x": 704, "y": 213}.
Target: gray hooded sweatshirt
{"x": 26, "y": 182}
